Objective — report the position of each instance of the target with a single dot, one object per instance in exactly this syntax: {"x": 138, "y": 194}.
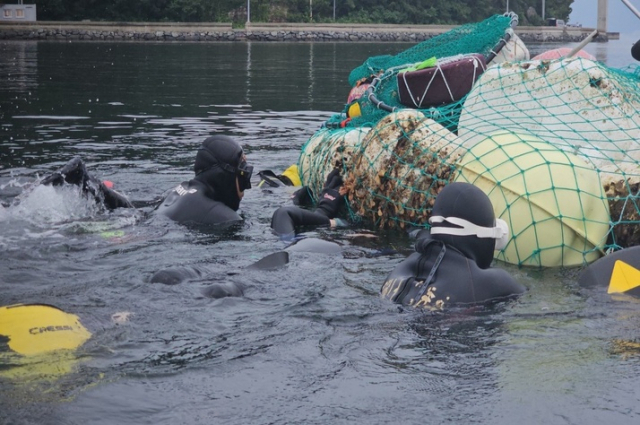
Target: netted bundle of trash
{"x": 555, "y": 143}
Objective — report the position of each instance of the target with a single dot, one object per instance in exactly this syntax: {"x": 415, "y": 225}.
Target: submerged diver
{"x": 451, "y": 265}
{"x": 212, "y": 197}
{"x": 286, "y": 219}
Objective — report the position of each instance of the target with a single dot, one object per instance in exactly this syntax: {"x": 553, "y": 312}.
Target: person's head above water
{"x": 222, "y": 165}
{"x": 463, "y": 218}
{"x": 635, "y": 50}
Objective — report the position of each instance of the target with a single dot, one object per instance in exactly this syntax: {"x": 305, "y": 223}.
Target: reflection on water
{"x": 310, "y": 342}
{"x": 19, "y": 68}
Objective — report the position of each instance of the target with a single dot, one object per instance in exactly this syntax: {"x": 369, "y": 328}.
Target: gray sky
{"x": 619, "y": 18}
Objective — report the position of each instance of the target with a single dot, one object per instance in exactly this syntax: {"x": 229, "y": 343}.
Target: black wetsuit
{"x": 457, "y": 279}
{"x": 74, "y": 172}
{"x": 449, "y": 269}
{"x": 285, "y": 220}
{"x": 193, "y": 202}
{"x": 211, "y": 197}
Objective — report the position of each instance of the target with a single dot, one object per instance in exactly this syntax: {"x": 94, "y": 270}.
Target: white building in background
{"x": 17, "y": 12}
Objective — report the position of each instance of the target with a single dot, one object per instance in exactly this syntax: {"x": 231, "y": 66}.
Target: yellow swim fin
{"x": 292, "y": 174}
{"x": 624, "y": 278}
{"x": 34, "y": 329}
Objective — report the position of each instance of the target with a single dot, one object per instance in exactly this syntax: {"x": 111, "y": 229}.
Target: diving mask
{"x": 500, "y": 232}
{"x": 244, "y": 173}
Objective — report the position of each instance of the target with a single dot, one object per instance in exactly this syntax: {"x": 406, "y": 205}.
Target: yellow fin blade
{"x": 623, "y": 278}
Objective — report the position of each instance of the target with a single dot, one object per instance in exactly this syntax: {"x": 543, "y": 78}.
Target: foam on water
{"x": 50, "y": 214}
{"x": 44, "y": 206}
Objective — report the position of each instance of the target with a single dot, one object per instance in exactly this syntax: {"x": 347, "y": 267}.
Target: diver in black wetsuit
{"x": 286, "y": 219}
{"x": 75, "y": 172}
{"x": 451, "y": 265}
{"x": 213, "y": 195}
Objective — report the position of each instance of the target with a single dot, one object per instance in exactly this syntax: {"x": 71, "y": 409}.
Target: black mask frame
{"x": 244, "y": 173}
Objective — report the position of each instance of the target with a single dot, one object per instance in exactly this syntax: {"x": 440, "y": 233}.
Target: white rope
{"x": 417, "y": 101}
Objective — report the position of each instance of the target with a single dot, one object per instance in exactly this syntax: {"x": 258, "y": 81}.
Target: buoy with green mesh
{"x": 398, "y": 169}
{"x": 394, "y": 168}
{"x": 552, "y": 200}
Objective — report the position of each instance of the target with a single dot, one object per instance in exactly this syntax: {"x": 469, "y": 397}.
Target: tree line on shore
{"x": 420, "y": 12}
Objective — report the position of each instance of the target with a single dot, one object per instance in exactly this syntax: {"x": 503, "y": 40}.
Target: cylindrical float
{"x": 399, "y": 168}
{"x": 552, "y": 200}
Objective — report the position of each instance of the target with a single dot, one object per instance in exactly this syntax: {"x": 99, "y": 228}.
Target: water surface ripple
{"x": 308, "y": 343}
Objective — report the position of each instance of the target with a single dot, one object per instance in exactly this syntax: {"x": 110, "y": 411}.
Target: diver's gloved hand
{"x": 338, "y": 222}
{"x": 331, "y": 200}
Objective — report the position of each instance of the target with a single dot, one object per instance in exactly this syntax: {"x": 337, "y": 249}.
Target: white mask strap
{"x": 500, "y": 232}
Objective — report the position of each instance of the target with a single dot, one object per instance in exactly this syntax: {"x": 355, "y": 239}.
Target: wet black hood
{"x": 464, "y": 200}
{"x": 215, "y": 165}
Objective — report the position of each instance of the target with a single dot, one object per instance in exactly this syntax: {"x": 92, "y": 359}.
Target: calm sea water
{"x": 309, "y": 343}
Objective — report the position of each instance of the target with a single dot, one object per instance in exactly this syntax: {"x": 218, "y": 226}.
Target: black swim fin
{"x": 176, "y": 275}
{"x": 271, "y": 261}
{"x": 75, "y": 172}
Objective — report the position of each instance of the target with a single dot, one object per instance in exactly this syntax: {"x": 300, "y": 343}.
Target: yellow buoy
{"x": 552, "y": 200}
{"x": 354, "y": 110}
{"x": 38, "y": 328}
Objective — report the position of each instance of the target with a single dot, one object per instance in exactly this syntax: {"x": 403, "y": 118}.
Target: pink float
{"x": 562, "y": 52}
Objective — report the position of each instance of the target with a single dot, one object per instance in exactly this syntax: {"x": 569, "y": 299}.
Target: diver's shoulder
{"x": 502, "y": 280}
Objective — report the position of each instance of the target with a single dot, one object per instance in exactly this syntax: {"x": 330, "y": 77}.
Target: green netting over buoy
{"x": 554, "y": 143}
{"x": 480, "y": 38}
{"x": 552, "y": 200}
{"x": 470, "y": 38}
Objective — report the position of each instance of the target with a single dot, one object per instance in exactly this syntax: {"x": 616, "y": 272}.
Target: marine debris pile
{"x": 555, "y": 143}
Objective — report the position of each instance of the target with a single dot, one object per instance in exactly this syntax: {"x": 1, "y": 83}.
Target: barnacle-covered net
{"x": 555, "y": 144}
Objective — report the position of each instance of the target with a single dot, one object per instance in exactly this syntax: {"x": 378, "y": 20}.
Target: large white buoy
{"x": 552, "y": 200}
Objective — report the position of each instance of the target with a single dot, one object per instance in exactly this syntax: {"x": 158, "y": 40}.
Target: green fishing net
{"x": 554, "y": 143}
{"x": 479, "y": 37}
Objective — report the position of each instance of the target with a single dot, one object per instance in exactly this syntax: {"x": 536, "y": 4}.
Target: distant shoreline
{"x": 163, "y": 31}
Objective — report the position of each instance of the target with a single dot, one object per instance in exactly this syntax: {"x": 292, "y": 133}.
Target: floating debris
{"x": 576, "y": 104}
{"x": 325, "y": 150}
{"x": 399, "y": 168}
